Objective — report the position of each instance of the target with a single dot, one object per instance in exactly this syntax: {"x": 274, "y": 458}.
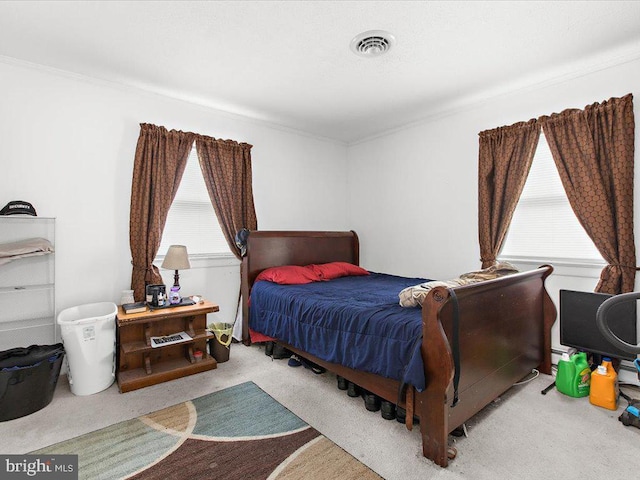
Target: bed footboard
{"x": 500, "y": 333}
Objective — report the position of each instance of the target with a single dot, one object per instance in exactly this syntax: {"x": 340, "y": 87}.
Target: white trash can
{"x": 89, "y": 338}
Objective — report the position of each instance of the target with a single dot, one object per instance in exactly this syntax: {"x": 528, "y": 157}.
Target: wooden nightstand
{"x": 141, "y": 365}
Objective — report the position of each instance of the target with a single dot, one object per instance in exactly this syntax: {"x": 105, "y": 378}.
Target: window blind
{"x": 191, "y": 220}
{"x": 544, "y": 225}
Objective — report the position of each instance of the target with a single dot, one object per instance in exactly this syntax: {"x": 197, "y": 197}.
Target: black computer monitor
{"x": 578, "y": 326}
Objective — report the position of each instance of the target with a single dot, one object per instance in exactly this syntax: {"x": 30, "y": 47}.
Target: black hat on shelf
{"x": 18, "y": 207}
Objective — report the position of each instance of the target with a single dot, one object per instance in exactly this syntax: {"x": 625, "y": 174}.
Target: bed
{"x": 474, "y": 341}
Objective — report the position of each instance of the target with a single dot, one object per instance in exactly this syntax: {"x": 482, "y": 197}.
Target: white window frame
{"x": 192, "y": 178}
{"x": 544, "y": 155}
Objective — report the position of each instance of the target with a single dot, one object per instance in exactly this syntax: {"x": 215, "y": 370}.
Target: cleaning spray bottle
{"x": 604, "y": 386}
{"x": 574, "y": 375}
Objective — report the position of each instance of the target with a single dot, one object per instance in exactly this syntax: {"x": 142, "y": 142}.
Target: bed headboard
{"x": 276, "y": 248}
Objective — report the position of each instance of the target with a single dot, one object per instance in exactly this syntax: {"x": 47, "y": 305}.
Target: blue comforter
{"x": 353, "y": 321}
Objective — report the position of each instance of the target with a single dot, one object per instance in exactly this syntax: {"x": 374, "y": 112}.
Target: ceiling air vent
{"x": 372, "y": 43}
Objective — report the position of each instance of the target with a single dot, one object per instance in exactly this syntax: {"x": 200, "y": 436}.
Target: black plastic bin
{"x": 28, "y": 378}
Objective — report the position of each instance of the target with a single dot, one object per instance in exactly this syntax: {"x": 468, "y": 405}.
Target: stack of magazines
{"x": 170, "y": 339}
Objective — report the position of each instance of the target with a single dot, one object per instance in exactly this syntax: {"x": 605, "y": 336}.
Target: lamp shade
{"x": 176, "y": 258}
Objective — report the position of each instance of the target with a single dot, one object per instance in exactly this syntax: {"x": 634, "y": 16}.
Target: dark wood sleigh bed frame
{"x": 504, "y": 332}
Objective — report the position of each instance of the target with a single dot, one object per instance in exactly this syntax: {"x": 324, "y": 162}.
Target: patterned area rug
{"x": 237, "y": 433}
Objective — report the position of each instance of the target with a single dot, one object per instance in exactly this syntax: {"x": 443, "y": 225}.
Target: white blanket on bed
{"x": 415, "y": 295}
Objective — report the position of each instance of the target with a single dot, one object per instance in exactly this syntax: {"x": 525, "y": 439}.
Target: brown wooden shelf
{"x": 141, "y": 365}
{"x": 162, "y": 313}
{"x": 142, "y": 346}
{"x": 163, "y": 372}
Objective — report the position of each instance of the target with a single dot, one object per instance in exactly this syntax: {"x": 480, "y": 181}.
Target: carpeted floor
{"x": 522, "y": 435}
{"x": 237, "y": 433}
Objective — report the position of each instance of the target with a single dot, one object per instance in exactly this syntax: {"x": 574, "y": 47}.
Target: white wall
{"x": 67, "y": 145}
{"x": 422, "y": 219}
{"x": 413, "y": 199}
{"x": 413, "y": 192}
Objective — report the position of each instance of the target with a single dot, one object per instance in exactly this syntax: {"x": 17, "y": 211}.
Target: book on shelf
{"x": 136, "y": 307}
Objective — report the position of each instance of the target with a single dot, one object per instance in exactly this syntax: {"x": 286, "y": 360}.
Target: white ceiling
{"x": 289, "y": 62}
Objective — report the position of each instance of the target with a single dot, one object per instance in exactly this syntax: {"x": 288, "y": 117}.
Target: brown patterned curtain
{"x": 226, "y": 167}
{"x": 504, "y": 162}
{"x": 161, "y": 157}
{"x": 593, "y": 150}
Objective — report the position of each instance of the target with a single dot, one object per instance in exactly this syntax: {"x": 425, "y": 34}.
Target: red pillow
{"x": 329, "y": 271}
{"x": 289, "y": 275}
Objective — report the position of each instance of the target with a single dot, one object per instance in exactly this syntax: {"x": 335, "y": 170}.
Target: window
{"x": 191, "y": 220}
{"x": 544, "y": 225}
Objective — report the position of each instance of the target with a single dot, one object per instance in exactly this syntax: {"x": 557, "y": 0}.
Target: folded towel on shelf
{"x": 24, "y": 248}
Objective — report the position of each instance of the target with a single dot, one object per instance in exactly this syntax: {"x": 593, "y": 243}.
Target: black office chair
{"x": 602, "y": 320}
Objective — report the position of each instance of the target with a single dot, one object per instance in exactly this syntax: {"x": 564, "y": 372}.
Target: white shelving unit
{"x": 27, "y": 286}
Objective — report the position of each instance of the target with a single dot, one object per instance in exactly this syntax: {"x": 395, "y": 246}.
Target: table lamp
{"x": 176, "y": 259}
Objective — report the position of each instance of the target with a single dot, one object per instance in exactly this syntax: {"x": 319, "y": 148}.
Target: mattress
{"x": 354, "y": 321}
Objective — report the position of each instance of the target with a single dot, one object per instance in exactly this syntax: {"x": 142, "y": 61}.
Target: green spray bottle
{"x": 574, "y": 375}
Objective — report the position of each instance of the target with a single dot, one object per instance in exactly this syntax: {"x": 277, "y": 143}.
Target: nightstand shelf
{"x": 162, "y": 372}
{"x": 142, "y": 346}
{"x": 141, "y": 365}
